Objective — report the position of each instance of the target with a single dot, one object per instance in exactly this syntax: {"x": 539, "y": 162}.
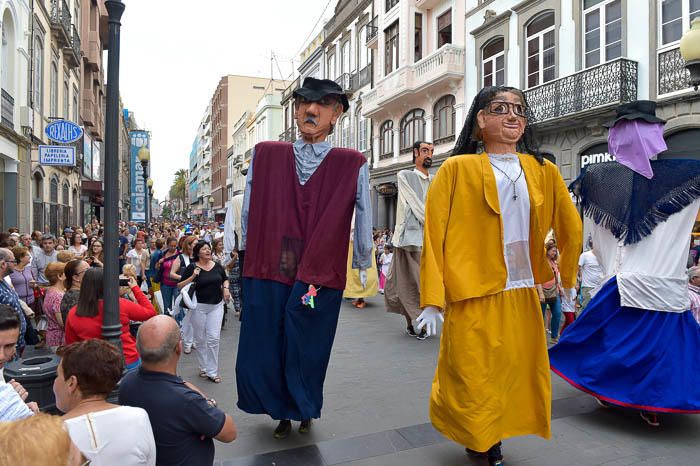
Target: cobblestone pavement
{"x": 376, "y": 412}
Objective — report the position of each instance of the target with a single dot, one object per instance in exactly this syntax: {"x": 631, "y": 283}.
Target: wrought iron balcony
{"x": 372, "y": 32}
{"x": 289, "y": 135}
{"x": 72, "y": 51}
{"x": 362, "y": 77}
{"x": 345, "y": 82}
{"x": 673, "y": 75}
{"x": 606, "y": 85}
{"x": 287, "y": 93}
{"x": 61, "y": 22}
{"x": 8, "y": 110}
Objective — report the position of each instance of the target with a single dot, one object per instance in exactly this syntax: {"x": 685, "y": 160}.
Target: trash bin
{"x": 36, "y": 374}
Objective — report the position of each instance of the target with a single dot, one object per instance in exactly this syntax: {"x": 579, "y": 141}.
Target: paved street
{"x": 376, "y": 412}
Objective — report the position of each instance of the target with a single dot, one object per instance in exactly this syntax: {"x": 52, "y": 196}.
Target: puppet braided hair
{"x": 469, "y": 138}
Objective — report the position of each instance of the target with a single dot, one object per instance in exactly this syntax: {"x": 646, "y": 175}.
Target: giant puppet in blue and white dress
{"x": 636, "y": 344}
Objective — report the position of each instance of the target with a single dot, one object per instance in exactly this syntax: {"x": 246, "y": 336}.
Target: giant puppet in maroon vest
{"x": 290, "y": 224}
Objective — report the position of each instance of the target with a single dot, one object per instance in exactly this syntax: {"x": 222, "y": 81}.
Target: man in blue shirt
{"x": 184, "y": 420}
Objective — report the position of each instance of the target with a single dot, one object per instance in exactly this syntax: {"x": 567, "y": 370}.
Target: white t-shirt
{"x": 514, "y": 201}
{"x": 133, "y": 257}
{"x": 121, "y": 435}
{"x": 79, "y": 251}
{"x": 386, "y": 262}
{"x": 591, "y": 271}
{"x": 568, "y": 304}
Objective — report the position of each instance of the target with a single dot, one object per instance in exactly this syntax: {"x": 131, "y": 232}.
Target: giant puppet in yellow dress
{"x": 487, "y": 216}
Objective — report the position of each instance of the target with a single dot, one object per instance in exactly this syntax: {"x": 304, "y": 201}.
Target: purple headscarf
{"x": 635, "y": 142}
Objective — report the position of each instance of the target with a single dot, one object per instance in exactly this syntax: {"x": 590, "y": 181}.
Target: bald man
{"x": 183, "y": 418}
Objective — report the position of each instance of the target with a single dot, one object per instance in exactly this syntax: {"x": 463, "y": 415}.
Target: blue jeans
{"x": 555, "y": 308}
{"x": 168, "y": 293}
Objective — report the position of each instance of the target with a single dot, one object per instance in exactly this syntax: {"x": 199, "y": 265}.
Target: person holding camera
{"x": 85, "y": 320}
{"x": 211, "y": 290}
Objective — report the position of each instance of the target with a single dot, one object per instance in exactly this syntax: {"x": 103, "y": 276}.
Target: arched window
{"x": 412, "y": 129}
{"x": 65, "y": 217}
{"x": 386, "y": 140}
{"x": 493, "y": 63}
{"x": 344, "y": 126}
{"x": 363, "y": 130}
{"x": 38, "y": 79}
{"x": 75, "y": 206}
{"x": 444, "y": 120}
{"x": 38, "y": 201}
{"x": 53, "y": 110}
{"x": 53, "y": 207}
{"x": 541, "y": 55}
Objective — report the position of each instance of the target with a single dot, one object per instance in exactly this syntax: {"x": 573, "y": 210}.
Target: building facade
{"x": 200, "y": 170}
{"x": 239, "y": 160}
{"x": 418, "y": 91}
{"x": 93, "y": 29}
{"x": 577, "y": 60}
{"x": 233, "y": 95}
{"x": 55, "y": 78}
{"x": 15, "y": 121}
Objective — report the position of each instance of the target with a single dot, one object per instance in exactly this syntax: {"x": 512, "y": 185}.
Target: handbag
{"x": 550, "y": 293}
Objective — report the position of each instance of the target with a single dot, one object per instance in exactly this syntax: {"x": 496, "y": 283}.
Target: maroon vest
{"x": 300, "y": 232}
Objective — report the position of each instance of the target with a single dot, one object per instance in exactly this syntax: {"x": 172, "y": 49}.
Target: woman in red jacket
{"x": 85, "y": 320}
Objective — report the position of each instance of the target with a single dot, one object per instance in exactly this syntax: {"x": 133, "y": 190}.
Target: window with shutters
{"x": 444, "y": 120}
{"x": 412, "y": 129}
{"x": 444, "y": 28}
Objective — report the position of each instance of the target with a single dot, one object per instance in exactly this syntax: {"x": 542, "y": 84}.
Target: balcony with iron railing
{"x": 289, "y": 91}
{"x": 61, "y": 22}
{"x": 71, "y": 52}
{"x": 444, "y": 66}
{"x": 289, "y": 135}
{"x": 362, "y": 77}
{"x": 345, "y": 82}
{"x": 372, "y": 33}
{"x": 597, "y": 88}
{"x": 8, "y": 110}
{"x": 673, "y": 76}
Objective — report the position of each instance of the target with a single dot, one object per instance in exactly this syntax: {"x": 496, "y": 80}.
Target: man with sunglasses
{"x": 297, "y": 209}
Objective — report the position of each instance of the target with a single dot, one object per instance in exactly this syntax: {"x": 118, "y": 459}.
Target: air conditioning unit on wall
{"x": 26, "y": 116}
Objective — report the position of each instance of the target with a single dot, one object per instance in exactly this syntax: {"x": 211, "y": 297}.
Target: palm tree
{"x": 178, "y": 189}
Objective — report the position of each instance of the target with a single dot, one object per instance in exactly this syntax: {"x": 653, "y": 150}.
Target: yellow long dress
{"x": 353, "y": 286}
{"x": 492, "y": 381}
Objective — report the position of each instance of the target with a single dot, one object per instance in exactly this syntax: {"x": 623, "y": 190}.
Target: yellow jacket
{"x": 463, "y": 240}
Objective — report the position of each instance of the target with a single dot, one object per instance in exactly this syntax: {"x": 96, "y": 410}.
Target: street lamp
{"x": 111, "y": 324}
{"x": 149, "y": 196}
{"x": 690, "y": 51}
{"x": 144, "y": 156}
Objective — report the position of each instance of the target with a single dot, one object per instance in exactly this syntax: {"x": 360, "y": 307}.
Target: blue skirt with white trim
{"x": 635, "y": 358}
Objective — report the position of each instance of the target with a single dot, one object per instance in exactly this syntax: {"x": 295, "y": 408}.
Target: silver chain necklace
{"x": 512, "y": 181}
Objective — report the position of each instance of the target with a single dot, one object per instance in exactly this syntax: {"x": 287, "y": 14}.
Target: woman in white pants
{"x": 176, "y": 271}
{"x": 211, "y": 289}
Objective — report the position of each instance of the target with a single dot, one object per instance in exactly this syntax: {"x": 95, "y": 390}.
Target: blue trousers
{"x": 284, "y": 348}
{"x": 555, "y": 308}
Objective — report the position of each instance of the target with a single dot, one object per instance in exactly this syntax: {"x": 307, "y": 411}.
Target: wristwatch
{"x": 212, "y": 402}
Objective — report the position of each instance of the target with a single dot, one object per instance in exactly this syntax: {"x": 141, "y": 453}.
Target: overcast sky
{"x": 173, "y": 53}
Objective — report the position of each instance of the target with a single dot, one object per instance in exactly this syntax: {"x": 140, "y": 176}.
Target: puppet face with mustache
{"x": 316, "y": 118}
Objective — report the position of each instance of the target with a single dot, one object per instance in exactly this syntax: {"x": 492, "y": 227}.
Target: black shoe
{"x": 495, "y": 456}
{"x": 283, "y": 429}
{"x": 474, "y": 453}
{"x": 305, "y": 426}
{"x": 422, "y": 335}
{"x": 410, "y": 331}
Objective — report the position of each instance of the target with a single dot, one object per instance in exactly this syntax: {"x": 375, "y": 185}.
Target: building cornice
{"x": 526, "y": 5}
{"x": 492, "y": 23}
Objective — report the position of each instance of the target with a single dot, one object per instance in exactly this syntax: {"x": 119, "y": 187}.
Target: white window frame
{"x": 493, "y": 59}
{"x": 362, "y": 124}
{"x": 602, "y": 44}
{"x": 663, "y": 48}
{"x": 344, "y": 136}
{"x": 685, "y": 21}
{"x": 346, "y": 57}
{"x": 53, "y": 88}
{"x": 540, "y": 59}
